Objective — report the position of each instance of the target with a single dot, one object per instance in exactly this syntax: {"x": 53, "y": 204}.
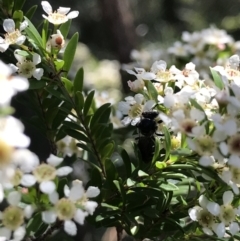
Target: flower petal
{"x": 36, "y": 58}
{"x": 64, "y": 171}
{"x": 46, "y": 7}
{"x": 14, "y": 198}
{"x": 49, "y": 217}
{"x": 28, "y": 180}
{"x": 80, "y": 216}
{"x": 227, "y": 197}
{"x": 23, "y": 25}
{"x": 47, "y": 187}
{"x": 9, "y": 25}
{"x": 233, "y": 228}
{"x": 38, "y": 73}
{"x": 19, "y": 233}
{"x": 92, "y": 192}
{"x": 70, "y": 227}
{"x": 54, "y": 160}
{"x": 213, "y": 208}
{"x": 72, "y": 14}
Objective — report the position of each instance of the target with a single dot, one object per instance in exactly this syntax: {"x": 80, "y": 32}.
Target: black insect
{"x": 147, "y": 126}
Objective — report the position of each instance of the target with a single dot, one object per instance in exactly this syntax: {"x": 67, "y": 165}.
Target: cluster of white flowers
{"x": 216, "y": 218}
{"x": 206, "y": 114}
{"x": 203, "y": 48}
{"x": 20, "y": 170}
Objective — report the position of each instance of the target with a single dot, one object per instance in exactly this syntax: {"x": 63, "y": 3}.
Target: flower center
{"x": 206, "y": 219}
{"x": 13, "y": 217}
{"x": 65, "y": 209}
{"x": 227, "y": 214}
{"x": 234, "y": 144}
{"x": 57, "y": 18}
{"x": 205, "y": 145}
{"x": 26, "y": 68}
{"x": 16, "y": 178}
{"x": 12, "y": 37}
{"x": 44, "y": 172}
{"x": 135, "y": 111}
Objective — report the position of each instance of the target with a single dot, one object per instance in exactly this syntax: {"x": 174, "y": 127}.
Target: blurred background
{"x": 114, "y": 29}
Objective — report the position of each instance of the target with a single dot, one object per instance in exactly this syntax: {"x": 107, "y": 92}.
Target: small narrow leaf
{"x": 33, "y": 33}
{"x": 29, "y": 14}
{"x": 142, "y": 174}
{"x": 168, "y": 187}
{"x": 68, "y": 85}
{"x": 88, "y": 102}
{"x": 217, "y": 79}
{"x": 78, "y": 81}
{"x": 69, "y": 53}
{"x": 65, "y": 27}
{"x": 152, "y": 90}
{"x": 77, "y": 135}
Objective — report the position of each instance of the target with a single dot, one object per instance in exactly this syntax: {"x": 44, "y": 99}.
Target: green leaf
{"x": 217, "y": 79}
{"x": 60, "y": 134}
{"x": 152, "y": 90}
{"x": 78, "y": 81}
{"x": 157, "y": 150}
{"x": 101, "y": 115}
{"x": 130, "y": 182}
{"x": 69, "y": 53}
{"x": 110, "y": 170}
{"x": 65, "y": 27}
{"x": 96, "y": 178}
{"x": 34, "y": 223}
{"x": 57, "y": 93}
{"x": 134, "y": 229}
{"x": 196, "y": 105}
{"x": 167, "y": 142}
{"x": 120, "y": 188}
{"x": 45, "y": 32}
{"x": 127, "y": 162}
{"x": 77, "y": 135}
{"x": 142, "y": 174}
{"x": 29, "y": 14}
{"x": 79, "y": 100}
{"x": 18, "y": 4}
{"x": 72, "y": 125}
{"x": 33, "y": 34}
{"x": 88, "y": 102}
{"x": 107, "y": 151}
{"x": 35, "y": 85}
{"x": 68, "y": 85}
{"x": 58, "y": 64}
{"x": 182, "y": 201}
{"x": 85, "y": 147}
{"x": 169, "y": 187}
{"x": 106, "y": 205}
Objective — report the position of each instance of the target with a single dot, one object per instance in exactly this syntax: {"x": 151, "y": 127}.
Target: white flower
{"x": 56, "y": 41}
{"x": 133, "y": 107}
{"x": 45, "y": 174}
{"x": 202, "y": 215}
{"x": 26, "y": 67}
{"x": 68, "y": 208}
{"x": 226, "y": 213}
{"x": 13, "y": 36}
{"x": 10, "y": 85}
{"x": 12, "y": 219}
{"x": 60, "y": 16}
